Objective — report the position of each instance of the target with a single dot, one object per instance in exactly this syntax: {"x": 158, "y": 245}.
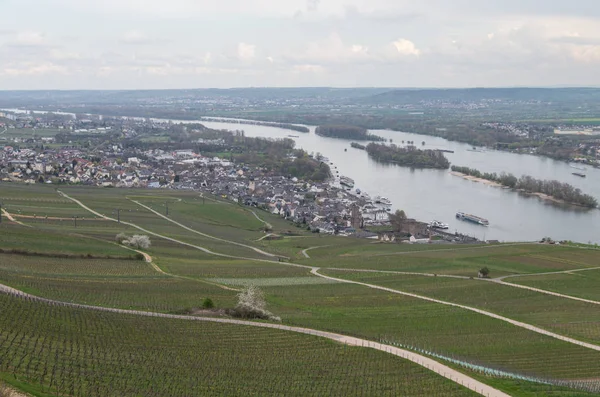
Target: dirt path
{"x": 494, "y": 280}
{"x": 10, "y": 218}
{"x": 529, "y": 327}
{"x": 543, "y": 291}
{"x": 204, "y": 234}
{"x": 8, "y": 391}
{"x": 456, "y": 249}
{"x": 315, "y": 271}
{"x": 257, "y": 217}
{"x": 305, "y": 252}
{"x": 423, "y": 361}
{"x": 545, "y": 274}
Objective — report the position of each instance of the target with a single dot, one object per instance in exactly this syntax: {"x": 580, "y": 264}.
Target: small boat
{"x": 347, "y": 182}
{"x": 439, "y": 225}
{"x": 358, "y": 191}
{"x": 294, "y": 136}
{"x": 577, "y": 168}
{"x": 472, "y": 218}
{"x": 382, "y": 200}
{"x": 579, "y": 174}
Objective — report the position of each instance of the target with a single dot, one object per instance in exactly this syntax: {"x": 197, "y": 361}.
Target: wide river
{"x": 429, "y": 195}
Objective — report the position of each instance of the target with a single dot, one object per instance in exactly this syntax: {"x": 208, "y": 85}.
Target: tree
{"x": 398, "y": 219}
{"x": 252, "y": 304}
{"x": 208, "y": 304}
{"x": 484, "y": 272}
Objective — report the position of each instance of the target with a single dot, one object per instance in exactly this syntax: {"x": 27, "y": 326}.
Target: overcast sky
{"x": 118, "y": 44}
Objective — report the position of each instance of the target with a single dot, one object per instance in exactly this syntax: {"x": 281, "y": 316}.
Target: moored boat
{"x": 472, "y": 218}
{"x": 439, "y": 225}
{"x": 345, "y": 181}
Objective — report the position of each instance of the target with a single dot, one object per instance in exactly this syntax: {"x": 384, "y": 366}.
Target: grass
{"x": 580, "y": 284}
{"x": 110, "y": 283}
{"x": 30, "y": 132}
{"x": 466, "y": 261}
{"x": 566, "y": 317}
{"x": 56, "y": 242}
{"x": 292, "y": 292}
{"x": 374, "y": 314}
{"x": 75, "y": 352}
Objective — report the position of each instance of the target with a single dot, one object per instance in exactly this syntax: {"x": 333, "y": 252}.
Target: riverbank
{"x": 541, "y": 196}
{"x": 475, "y": 179}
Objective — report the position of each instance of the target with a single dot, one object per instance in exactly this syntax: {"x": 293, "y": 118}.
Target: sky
{"x": 156, "y": 44}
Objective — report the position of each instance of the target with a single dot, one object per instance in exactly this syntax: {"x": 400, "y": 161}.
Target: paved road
{"x": 423, "y": 361}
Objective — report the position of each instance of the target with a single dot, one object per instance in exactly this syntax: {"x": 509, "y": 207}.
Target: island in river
{"x": 408, "y": 156}
{"x": 555, "y": 191}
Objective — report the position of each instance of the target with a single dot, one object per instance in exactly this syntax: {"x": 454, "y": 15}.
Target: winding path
{"x": 10, "y": 218}
{"x": 529, "y": 327}
{"x": 305, "y": 252}
{"x": 204, "y": 234}
{"x": 423, "y": 361}
{"x": 315, "y": 271}
{"x": 546, "y": 273}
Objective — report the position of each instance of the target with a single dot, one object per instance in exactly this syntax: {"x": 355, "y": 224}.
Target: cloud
{"x": 29, "y": 39}
{"x": 33, "y": 69}
{"x": 135, "y": 37}
{"x": 406, "y": 47}
{"x": 312, "y": 5}
{"x": 246, "y": 52}
{"x": 586, "y": 53}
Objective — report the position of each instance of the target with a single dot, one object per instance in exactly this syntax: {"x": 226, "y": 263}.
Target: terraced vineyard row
{"x": 62, "y": 351}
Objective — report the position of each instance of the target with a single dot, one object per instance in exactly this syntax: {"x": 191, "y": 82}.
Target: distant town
{"x": 98, "y": 151}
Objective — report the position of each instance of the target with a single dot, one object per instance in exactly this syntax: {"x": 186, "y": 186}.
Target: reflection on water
{"x": 435, "y": 194}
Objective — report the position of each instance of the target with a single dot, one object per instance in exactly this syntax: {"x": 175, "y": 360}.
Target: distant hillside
{"x": 404, "y": 96}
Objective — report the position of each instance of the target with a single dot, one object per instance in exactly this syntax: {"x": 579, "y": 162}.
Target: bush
{"x": 208, "y": 304}
{"x": 137, "y": 241}
{"x": 120, "y": 238}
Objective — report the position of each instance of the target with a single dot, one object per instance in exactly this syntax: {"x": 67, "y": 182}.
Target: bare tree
{"x": 398, "y": 220}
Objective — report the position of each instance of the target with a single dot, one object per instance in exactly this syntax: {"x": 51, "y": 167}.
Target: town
{"x": 127, "y": 153}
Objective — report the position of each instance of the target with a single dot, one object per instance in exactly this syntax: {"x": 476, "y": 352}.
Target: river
{"x": 429, "y": 195}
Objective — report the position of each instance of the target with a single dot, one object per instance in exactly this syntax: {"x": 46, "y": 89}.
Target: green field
{"x": 567, "y": 317}
{"x": 581, "y": 284}
{"x": 50, "y": 351}
{"x": 76, "y": 260}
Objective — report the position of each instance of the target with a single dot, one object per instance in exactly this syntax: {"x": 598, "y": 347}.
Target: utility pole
{"x": 167, "y": 205}
{"x": 75, "y": 220}
{"x": 0, "y": 212}
{"x": 118, "y": 215}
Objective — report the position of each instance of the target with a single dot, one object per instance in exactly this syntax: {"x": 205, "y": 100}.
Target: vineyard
{"x": 207, "y": 249}
{"x": 372, "y": 314}
{"x": 582, "y": 284}
{"x": 568, "y": 317}
{"x": 55, "y": 351}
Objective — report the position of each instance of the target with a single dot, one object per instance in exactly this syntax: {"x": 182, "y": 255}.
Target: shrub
{"x": 208, "y": 304}
{"x": 484, "y": 272}
{"x": 121, "y": 237}
{"x": 137, "y": 241}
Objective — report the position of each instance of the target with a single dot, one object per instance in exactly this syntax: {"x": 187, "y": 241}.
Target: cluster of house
{"x": 321, "y": 207}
